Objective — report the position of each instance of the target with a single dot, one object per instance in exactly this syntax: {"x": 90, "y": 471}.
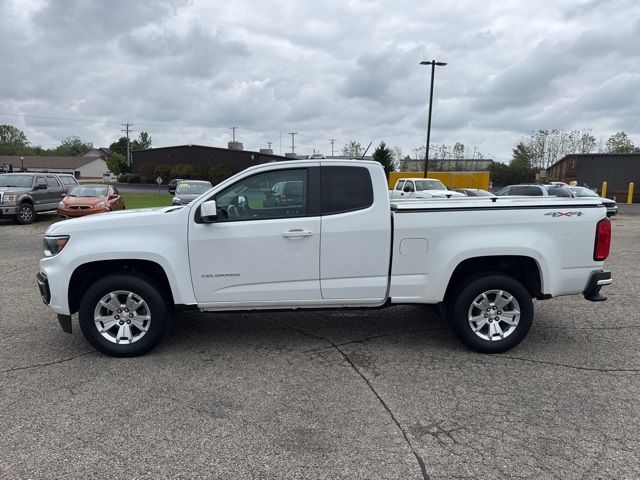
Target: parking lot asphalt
{"x": 379, "y": 394}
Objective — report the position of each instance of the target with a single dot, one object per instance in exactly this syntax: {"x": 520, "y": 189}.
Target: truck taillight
{"x": 603, "y": 240}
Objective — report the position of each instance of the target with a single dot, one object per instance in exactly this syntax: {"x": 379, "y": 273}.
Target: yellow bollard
{"x": 630, "y": 195}
{"x": 603, "y": 192}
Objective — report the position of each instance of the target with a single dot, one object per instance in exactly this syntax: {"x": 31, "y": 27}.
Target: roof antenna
{"x": 365, "y": 152}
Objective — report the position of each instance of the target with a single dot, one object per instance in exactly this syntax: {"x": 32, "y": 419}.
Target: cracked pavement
{"x": 377, "y": 394}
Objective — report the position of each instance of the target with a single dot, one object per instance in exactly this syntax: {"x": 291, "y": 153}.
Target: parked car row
{"x": 557, "y": 189}
{"x": 24, "y": 195}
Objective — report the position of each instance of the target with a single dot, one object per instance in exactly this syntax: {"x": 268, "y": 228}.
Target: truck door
{"x": 263, "y": 248}
{"x": 356, "y": 235}
{"x": 40, "y": 194}
{"x": 55, "y": 191}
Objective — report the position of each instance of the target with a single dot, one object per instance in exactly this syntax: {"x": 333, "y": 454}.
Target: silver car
{"x": 189, "y": 190}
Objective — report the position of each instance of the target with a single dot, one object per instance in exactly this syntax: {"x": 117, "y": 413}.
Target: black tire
{"x": 26, "y": 214}
{"x": 144, "y": 288}
{"x": 460, "y": 310}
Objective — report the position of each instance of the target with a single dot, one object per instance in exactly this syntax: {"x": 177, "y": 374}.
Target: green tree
{"x": 384, "y": 156}
{"x": 117, "y": 164}
{"x": 519, "y": 169}
{"x": 620, "y": 143}
{"x": 457, "y": 151}
{"x": 72, "y": 147}
{"x": 352, "y": 149}
{"x": 141, "y": 143}
{"x": 10, "y": 135}
{"x": 219, "y": 173}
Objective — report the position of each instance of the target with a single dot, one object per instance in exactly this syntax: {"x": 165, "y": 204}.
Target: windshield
{"x": 429, "y": 184}
{"x": 88, "y": 191}
{"x": 192, "y": 188}
{"x": 583, "y": 192}
{"x": 16, "y": 180}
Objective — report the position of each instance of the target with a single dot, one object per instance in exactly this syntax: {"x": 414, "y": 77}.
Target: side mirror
{"x": 407, "y": 189}
{"x": 208, "y": 211}
{"x": 41, "y": 186}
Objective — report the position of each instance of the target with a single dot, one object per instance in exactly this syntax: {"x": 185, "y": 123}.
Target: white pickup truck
{"x": 421, "y": 188}
{"x": 339, "y": 244}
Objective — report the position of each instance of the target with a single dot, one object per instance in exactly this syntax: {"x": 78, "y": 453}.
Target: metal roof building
{"x": 591, "y": 169}
{"x": 202, "y": 155}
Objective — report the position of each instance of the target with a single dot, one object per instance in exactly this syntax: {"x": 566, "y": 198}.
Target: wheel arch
{"x": 522, "y": 268}
{"x": 84, "y": 275}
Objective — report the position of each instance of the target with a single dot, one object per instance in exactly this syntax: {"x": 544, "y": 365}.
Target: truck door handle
{"x": 297, "y": 233}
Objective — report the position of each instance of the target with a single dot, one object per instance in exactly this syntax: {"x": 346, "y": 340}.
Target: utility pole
{"x": 127, "y": 129}
{"x": 293, "y": 142}
{"x": 269, "y": 145}
{"x": 332, "y": 142}
{"x": 433, "y": 64}
{"x": 234, "y": 132}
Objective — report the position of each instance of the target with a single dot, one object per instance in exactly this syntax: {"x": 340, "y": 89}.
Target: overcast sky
{"x": 185, "y": 71}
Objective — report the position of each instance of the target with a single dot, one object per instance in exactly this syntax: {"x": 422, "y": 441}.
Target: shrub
{"x": 134, "y": 178}
{"x": 163, "y": 171}
{"x": 124, "y": 178}
{"x": 218, "y": 173}
{"x": 147, "y": 173}
{"x": 200, "y": 172}
{"x": 182, "y": 170}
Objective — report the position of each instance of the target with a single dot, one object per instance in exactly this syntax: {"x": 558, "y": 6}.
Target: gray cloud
{"x": 186, "y": 70}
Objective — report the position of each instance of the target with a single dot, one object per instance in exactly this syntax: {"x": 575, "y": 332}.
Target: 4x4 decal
{"x": 564, "y": 214}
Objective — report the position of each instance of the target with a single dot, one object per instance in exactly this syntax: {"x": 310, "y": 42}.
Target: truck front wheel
{"x": 26, "y": 214}
{"x": 123, "y": 315}
{"x": 491, "y": 313}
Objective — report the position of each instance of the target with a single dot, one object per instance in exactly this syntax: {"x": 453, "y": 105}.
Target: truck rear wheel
{"x": 491, "y": 313}
{"x": 123, "y": 315}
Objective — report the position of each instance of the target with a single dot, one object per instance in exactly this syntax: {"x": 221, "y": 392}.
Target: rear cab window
{"x": 528, "y": 190}
{"x": 345, "y": 189}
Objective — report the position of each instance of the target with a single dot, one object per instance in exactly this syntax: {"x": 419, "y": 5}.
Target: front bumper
{"x": 8, "y": 210}
{"x": 611, "y": 211}
{"x": 45, "y": 293}
{"x": 597, "y": 280}
{"x": 80, "y": 212}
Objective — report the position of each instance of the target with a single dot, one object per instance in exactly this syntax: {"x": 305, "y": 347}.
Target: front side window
{"x": 399, "y": 185}
{"x": 275, "y": 194}
{"x": 41, "y": 181}
{"x": 345, "y": 189}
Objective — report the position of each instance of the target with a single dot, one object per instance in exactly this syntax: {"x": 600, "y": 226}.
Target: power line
{"x": 49, "y": 117}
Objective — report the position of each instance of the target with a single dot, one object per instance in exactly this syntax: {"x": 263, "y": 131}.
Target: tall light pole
{"x": 433, "y": 64}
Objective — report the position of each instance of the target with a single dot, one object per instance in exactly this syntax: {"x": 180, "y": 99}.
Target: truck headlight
{"x": 177, "y": 201}
{"x": 61, "y": 205}
{"x": 54, "y": 245}
{"x": 10, "y": 199}
{"x": 101, "y": 205}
